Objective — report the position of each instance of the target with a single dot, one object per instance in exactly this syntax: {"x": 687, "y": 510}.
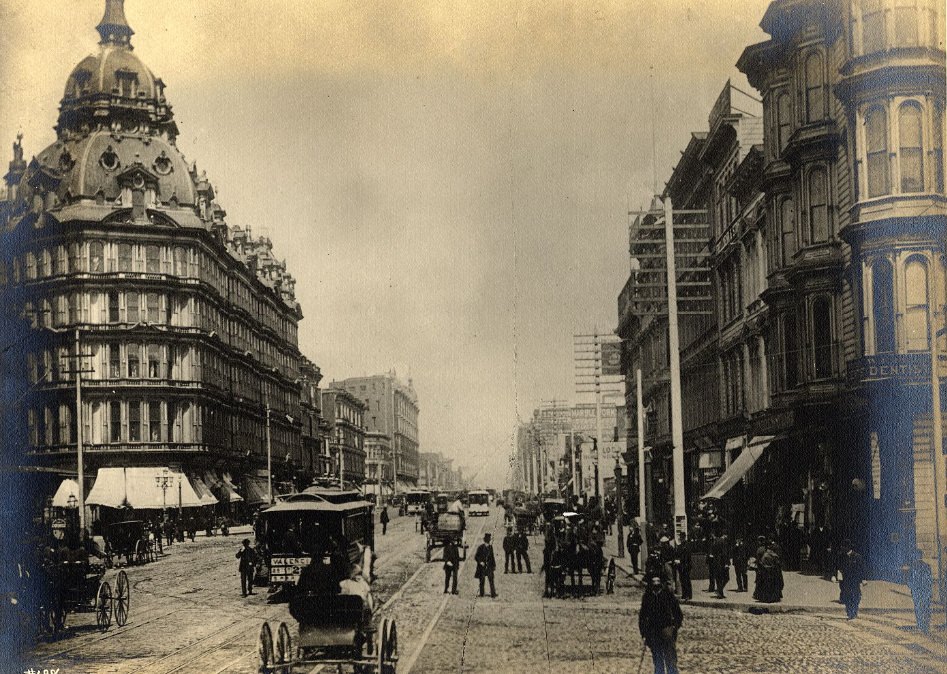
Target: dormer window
{"x": 126, "y": 83}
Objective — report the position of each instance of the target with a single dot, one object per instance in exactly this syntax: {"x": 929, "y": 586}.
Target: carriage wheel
{"x": 284, "y": 647}
{"x": 265, "y": 649}
{"x": 141, "y": 552}
{"x": 389, "y": 648}
{"x": 103, "y": 606}
{"x": 123, "y": 597}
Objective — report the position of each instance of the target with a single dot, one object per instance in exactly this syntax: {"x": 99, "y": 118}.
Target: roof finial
{"x": 113, "y": 27}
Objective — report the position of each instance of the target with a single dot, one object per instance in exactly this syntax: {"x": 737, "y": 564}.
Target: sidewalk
{"x": 800, "y": 593}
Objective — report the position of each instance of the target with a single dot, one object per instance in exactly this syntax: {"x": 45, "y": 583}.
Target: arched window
{"x": 873, "y": 26}
{"x": 905, "y": 23}
{"x": 910, "y": 155}
{"x": 876, "y": 141}
{"x": 915, "y": 301}
{"x": 783, "y": 119}
{"x": 882, "y": 306}
{"x": 787, "y": 220}
{"x": 96, "y": 257}
{"x": 815, "y": 88}
{"x": 818, "y": 206}
{"x": 937, "y": 146}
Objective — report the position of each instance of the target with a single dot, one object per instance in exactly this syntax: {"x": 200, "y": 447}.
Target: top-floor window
{"x": 873, "y": 26}
{"x": 876, "y": 138}
{"x": 815, "y": 88}
{"x": 911, "y": 151}
{"x": 152, "y": 259}
{"x": 180, "y": 261}
{"x": 783, "y": 119}
{"x": 124, "y": 257}
{"x": 905, "y": 23}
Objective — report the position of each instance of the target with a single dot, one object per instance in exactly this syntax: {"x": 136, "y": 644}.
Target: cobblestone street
{"x": 187, "y": 616}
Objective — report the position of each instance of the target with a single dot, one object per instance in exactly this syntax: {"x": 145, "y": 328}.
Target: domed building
{"x": 130, "y": 300}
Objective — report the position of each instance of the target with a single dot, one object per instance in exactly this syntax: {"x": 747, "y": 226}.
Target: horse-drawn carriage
{"x": 327, "y": 560}
{"x": 553, "y": 508}
{"x": 129, "y": 539}
{"x": 72, "y": 581}
{"x": 447, "y": 526}
{"x": 526, "y": 517}
{"x": 570, "y": 550}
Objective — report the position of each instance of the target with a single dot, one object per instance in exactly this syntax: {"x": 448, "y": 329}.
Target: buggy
{"x": 447, "y": 526}
{"x": 131, "y": 540}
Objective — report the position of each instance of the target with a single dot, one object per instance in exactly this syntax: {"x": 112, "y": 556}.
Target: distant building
{"x": 391, "y": 408}
{"x": 345, "y": 414}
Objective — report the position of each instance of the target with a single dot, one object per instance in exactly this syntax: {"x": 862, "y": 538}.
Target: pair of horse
{"x": 570, "y": 558}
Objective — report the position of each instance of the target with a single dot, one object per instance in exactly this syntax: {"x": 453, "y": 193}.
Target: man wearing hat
{"x": 509, "y": 543}
{"x": 247, "y": 567}
{"x": 659, "y": 620}
{"x": 486, "y": 564}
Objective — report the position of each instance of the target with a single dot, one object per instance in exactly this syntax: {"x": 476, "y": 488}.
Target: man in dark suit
{"x": 659, "y": 620}
{"x": 721, "y": 552}
{"x": 248, "y": 559}
{"x": 851, "y": 576}
{"x": 509, "y": 544}
{"x": 521, "y": 545}
{"x": 486, "y": 564}
{"x": 634, "y": 546}
{"x": 682, "y": 559}
{"x": 451, "y": 564}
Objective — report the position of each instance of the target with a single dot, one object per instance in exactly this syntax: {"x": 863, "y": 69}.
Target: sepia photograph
{"x": 315, "y": 313}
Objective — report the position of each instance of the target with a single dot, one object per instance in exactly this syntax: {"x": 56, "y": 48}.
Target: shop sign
{"x": 908, "y": 368}
{"x": 287, "y": 569}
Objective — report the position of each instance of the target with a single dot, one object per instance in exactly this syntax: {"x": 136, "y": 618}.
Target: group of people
{"x": 516, "y": 551}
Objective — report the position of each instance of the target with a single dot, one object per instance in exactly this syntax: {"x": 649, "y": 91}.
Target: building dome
{"x": 113, "y": 88}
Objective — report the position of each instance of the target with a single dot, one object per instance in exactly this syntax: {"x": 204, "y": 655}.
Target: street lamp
{"x": 164, "y": 481}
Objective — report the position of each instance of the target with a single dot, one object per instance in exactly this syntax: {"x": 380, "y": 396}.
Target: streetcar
{"x": 312, "y": 525}
{"x": 479, "y": 503}
{"x": 416, "y": 501}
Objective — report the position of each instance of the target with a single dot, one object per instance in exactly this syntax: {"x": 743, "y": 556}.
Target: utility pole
{"x": 940, "y": 469}
{"x": 677, "y": 431}
{"x": 642, "y": 503}
{"x": 269, "y": 457}
{"x": 620, "y": 508}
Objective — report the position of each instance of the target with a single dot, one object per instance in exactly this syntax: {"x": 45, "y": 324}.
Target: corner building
{"x": 117, "y": 265}
{"x": 853, "y": 177}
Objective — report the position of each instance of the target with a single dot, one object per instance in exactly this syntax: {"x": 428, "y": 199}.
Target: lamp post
{"x": 164, "y": 481}
{"x": 619, "y": 507}
{"x": 269, "y": 459}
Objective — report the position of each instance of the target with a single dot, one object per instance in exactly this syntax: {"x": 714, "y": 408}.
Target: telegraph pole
{"x": 80, "y": 470}
{"x": 677, "y": 432}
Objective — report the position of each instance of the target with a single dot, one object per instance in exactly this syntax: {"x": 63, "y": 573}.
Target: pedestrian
{"x": 740, "y": 562}
{"x": 711, "y": 562}
{"x": 509, "y": 546}
{"x": 169, "y": 531}
{"x": 521, "y": 546}
{"x": 634, "y": 546}
{"x": 659, "y": 620}
{"x": 247, "y": 567}
{"x": 851, "y": 577}
{"x": 486, "y": 564}
{"x": 383, "y": 518}
{"x": 820, "y": 551}
{"x": 667, "y": 560}
{"x": 451, "y": 564}
{"x": 721, "y": 550}
{"x": 921, "y": 582}
{"x": 682, "y": 560}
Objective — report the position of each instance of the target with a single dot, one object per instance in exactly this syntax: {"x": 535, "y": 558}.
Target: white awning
{"x": 735, "y": 443}
{"x": 138, "y": 488}
{"x": 229, "y": 489}
{"x": 740, "y": 466}
{"x": 68, "y": 489}
{"x": 203, "y": 492}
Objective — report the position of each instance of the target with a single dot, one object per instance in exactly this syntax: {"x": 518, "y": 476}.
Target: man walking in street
{"x": 634, "y": 546}
{"x": 921, "y": 582}
{"x": 521, "y": 546}
{"x": 682, "y": 560}
{"x": 659, "y": 620}
{"x": 509, "y": 543}
{"x": 247, "y": 567}
{"x": 451, "y": 564}
{"x": 486, "y": 564}
{"x": 383, "y": 518}
{"x": 851, "y": 576}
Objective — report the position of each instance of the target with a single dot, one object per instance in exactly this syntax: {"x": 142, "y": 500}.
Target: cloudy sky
{"x": 449, "y": 181}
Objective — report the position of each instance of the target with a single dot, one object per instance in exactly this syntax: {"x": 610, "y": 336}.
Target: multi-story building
{"x": 379, "y": 466}
{"x": 117, "y": 267}
{"x": 315, "y": 456}
{"x": 345, "y": 414}
{"x": 391, "y": 408}
{"x": 853, "y": 177}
